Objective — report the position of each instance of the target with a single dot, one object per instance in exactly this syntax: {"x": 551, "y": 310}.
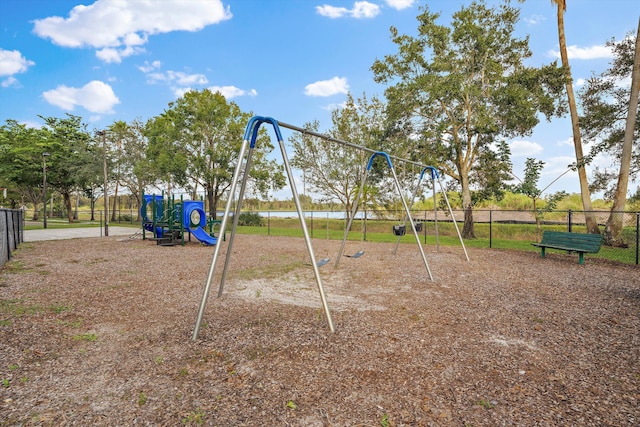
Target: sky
{"x": 293, "y": 60}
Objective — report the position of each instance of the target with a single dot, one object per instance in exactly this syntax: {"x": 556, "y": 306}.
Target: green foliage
{"x": 336, "y": 171}
{"x": 195, "y": 417}
{"x": 605, "y": 104}
{"x": 142, "y": 398}
{"x": 487, "y": 404}
{"x": 462, "y": 89}
{"x": 85, "y": 337}
{"x": 196, "y": 141}
{"x": 252, "y": 219}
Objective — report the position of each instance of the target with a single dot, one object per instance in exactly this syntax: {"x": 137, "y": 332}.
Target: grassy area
{"x": 497, "y": 235}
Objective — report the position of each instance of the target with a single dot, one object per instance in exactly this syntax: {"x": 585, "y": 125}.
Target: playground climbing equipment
{"x": 169, "y": 220}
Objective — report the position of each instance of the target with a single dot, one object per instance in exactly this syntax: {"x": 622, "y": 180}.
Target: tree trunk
{"x": 66, "y": 196}
{"x": 213, "y": 202}
{"x": 35, "y": 211}
{"x": 139, "y": 203}
{"x": 467, "y": 230}
{"x": 591, "y": 222}
{"x": 115, "y": 204}
{"x": 613, "y": 229}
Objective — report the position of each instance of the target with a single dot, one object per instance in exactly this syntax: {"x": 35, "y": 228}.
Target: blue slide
{"x": 202, "y": 235}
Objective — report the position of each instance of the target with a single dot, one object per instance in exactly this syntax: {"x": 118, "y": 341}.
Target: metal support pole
{"x": 251, "y": 134}
{"x": 216, "y": 252}
{"x": 637, "y": 236}
{"x": 106, "y": 195}
{"x": 44, "y": 185}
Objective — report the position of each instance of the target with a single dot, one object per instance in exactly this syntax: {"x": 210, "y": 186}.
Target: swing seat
{"x": 418, "y": 226}
{"x": 399, "y": 230}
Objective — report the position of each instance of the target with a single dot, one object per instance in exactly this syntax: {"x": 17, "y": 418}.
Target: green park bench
{"x": 570, "y": 242}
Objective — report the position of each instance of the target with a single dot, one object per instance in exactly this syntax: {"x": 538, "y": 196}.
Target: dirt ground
{"x": 98, "y": 332}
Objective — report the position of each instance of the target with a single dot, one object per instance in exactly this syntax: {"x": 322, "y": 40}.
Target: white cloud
{"x": 534, "y": 19}
{"x": 327, "y": 87}
{"x": 10, "y": 81}
{"x": 332, "y": 107}
{"x": 95, "y": 97}
{"x": 567, "y": 142}
{"x": 556, "y": 166}
{"x": 177, "y": 79}
{"x": 12, "y": 62}
{"x": 117, "y": 28}
{"x": 332, "y": 11}
{"x": 592, "y": 52}
{"x": 184, "y": 79}
{"x": 361, "y": 9}
{"x": 232, "y": 91}
{"x": 147, "y": 67}
{"x": 400, "y": 4}
{"x": 109, "y": 54}
{"x": 524, "y": 148}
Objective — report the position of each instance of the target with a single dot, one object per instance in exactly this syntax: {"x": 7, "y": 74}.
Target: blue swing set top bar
{"x": 251, "y": 132}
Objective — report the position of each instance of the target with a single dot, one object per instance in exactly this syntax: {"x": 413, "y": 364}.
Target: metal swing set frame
{"x": 242, "y": 170}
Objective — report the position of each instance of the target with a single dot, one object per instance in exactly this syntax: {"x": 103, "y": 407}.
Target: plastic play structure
{"x": 241, "y": 174}
{"x": 169, "y": 221}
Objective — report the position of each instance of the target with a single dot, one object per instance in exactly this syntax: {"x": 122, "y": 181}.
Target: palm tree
{"x": 612, "y": 231}
{"x": 591, "y": 222}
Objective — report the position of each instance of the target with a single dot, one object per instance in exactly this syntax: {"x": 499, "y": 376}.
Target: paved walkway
{"x": 75, "y": 233}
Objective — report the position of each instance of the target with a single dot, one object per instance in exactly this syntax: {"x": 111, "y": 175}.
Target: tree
{"x": 332, "y": 170}
{"x": 529, "y": 187}
{"x": 611, "y": 117}
{"x": 134, "y": 171}
{"x": 21, "y": 163}
{"x": 590, "y": 217}
{"x": 67, "y": 140}
{"x": 197, "y": 140}
{"x": 463, "y": 90}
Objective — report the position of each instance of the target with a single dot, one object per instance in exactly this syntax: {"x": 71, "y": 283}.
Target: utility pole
{"x": 106, "y": 196}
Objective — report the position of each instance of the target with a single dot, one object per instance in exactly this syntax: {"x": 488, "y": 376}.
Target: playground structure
{"x": 169, "y": 221}
{"x": 242, "y": 169}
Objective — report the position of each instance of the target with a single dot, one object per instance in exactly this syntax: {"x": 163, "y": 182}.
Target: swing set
{"x": 242, "y": 170}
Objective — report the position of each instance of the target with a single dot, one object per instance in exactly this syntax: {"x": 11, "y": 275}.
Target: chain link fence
{"x": 11, "y": 232}
{"x": 493, "y": 228}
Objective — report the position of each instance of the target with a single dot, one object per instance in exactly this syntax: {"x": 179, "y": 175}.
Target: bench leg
{"x": 581, "y": 258}
{"x": 542, "y": 251}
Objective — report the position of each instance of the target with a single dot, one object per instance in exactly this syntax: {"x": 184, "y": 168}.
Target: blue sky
{"x": 294, "y": 60}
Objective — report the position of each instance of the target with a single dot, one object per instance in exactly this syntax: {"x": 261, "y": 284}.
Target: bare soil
{"x": 98, "y": 332}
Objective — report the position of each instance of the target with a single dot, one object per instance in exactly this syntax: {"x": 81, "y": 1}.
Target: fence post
{"x": 268, "y": 223}
{"x": 424, "y": 227}
{"x": 637, "y": 235}
{"x": 490, "y": 228}
{"x": 569, "y": 218}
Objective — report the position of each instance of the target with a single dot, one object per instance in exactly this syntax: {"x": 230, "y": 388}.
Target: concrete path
{"x": 75, "y": 233}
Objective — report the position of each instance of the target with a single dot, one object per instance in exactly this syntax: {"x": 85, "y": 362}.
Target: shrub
{"x": 252, "y": 219}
